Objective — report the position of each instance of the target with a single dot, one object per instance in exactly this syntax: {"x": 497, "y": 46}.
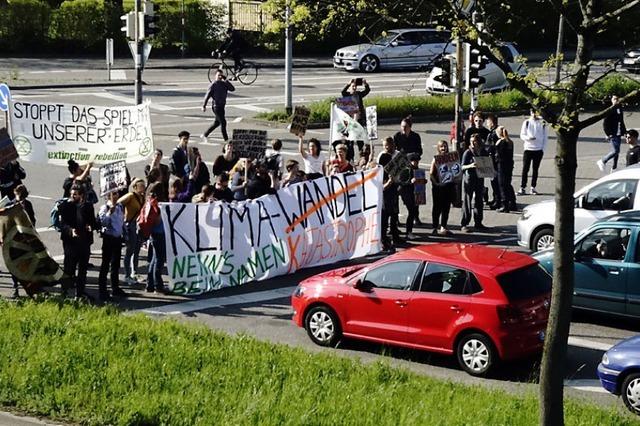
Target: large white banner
{"x": 323, "y": 221}
{"x": 54, "y": 133}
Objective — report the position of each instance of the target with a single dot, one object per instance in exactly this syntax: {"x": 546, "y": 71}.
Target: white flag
{"x": 342, "y": 125}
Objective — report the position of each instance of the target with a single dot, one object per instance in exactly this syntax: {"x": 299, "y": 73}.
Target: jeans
{"x": 615, "y": 151}
{"x": 111, "y": 251}
{"x": 441, "y": 198}
{"x": 529, "y": 157}
{"x": 132, "y": 251}
{"x": 219, "y": 120}
{"x": 154, "y": 276}
{"x": 472, "y": 192}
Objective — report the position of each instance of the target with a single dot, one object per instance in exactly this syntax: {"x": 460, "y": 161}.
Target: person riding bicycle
{"x": 231, "y": 47}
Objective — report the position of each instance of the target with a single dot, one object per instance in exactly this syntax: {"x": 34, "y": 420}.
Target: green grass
{"x": 421, "y": 106}
{"x": 95, "y": 366}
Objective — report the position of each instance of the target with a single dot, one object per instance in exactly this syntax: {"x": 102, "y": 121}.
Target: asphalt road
{"x": 176, "y": 97}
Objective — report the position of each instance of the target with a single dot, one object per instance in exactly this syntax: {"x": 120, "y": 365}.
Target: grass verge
{"x": 398, "y": 107}
{"x": 95, "y": 366}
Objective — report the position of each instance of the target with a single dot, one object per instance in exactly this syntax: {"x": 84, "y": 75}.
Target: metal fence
{"x": 248, "y": 16}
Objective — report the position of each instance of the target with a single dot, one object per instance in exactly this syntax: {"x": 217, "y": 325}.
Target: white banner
{"x": 54, "y": 133}
{"x": 318, "y": 222}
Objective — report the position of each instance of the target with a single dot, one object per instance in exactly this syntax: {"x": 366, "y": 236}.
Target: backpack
{"x": 272, "y": 162}
{"x": 54, "y": 215}
{"x": 147, "y": 218}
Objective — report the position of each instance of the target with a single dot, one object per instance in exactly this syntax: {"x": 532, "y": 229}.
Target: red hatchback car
{"x": 481, "y": 303}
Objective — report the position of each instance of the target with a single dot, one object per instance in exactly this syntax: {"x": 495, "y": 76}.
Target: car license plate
{"x": 628, "y": 61}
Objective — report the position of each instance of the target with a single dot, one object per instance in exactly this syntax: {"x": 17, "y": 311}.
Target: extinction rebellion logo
{"x": 22, "y": 144}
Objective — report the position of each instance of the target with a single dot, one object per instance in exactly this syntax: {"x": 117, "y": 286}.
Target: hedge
{"x": 79, "y": 23}
{"x": 24, "y": 25}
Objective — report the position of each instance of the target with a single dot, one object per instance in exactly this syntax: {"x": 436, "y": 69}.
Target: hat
{"x": 290, "y": 163}
{"x": 413, "y": 156}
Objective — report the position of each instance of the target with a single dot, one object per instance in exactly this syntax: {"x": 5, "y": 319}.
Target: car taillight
{"x": 509, "y": 314}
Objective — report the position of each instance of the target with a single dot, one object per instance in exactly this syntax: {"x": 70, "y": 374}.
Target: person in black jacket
{"x": 504, "y": 167}
{"x": 614, "y": 128}
{"x": 11, "y": 175}
{"x": 477, "y": 127}
{"x": 633, "y": 155}
{"x": 232, "y": 46}
{"x": 406, "y": 140}
{"x": 217, "y": 92}
{"x": 179, "y": 156}
{"x": 351, "y": 89}
{"x": 78, "y": 223}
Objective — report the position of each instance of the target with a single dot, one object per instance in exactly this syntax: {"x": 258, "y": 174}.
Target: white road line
{"x": 236, "y": 120}
{"x": 118, "y": 75}
{"x": 44, "y": 229}
{"x": 588, "y": 385}
{"x": 129, "y": 100}
{"x": 250, "y": 107}
{"x": 40, "y": 197}
{"x": 216, "y": 302}
{"x": 589, "y": 344}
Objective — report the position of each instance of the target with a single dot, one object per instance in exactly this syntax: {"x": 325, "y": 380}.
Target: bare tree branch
{"x": 600, "y": 77}
{"x": 630, "y": 97}
{"x": 603, "y": 19}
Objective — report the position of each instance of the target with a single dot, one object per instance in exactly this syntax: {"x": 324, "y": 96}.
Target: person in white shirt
{"x": 534, "y": 135}
{"x": 315, "y": 163}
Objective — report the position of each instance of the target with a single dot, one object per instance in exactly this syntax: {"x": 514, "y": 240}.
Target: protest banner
{"x": 484, "y": 167}
{"x": 55, "y": 133}
{"x": 448, "y": 167}
{"x": 420, "y": 186}
{"x": 113, "y": 177}
{"x": 8, "y": 151}
{"x": 348, "y": 104}
{"x": 343, "y": 126}
{"x": 399, "y": 168}
{"x": 300, "y": 120}
{"x": 249, "y": 143}
{"x": 317, "y": 222}
{"x": 372, "y": 122}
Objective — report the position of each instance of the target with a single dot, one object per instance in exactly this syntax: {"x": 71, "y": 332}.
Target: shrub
{"x": 23, "y": 25}
{"x": 614, "y": 84}
{"x": 79, "y": 24}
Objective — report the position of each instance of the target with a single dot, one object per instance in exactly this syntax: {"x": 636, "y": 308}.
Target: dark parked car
{"x": 619, "y": 372}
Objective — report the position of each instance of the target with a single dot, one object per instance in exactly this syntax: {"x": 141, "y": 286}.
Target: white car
{"x": 612, "y": 193}
{"x": 494, "y": 77}
{"x": 402, "y": 48}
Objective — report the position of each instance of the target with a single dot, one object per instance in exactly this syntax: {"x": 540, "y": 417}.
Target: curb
{"x": 73, "y": 85}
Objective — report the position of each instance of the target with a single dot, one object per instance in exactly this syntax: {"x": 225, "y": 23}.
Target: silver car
{"x": 631, "y": 59}
{"x": 402, "y": 48}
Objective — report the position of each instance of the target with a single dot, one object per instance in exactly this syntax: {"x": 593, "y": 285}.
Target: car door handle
{"x": 455, "y": 308}
{"x": 401, "y": 303}
{"x": 614, "y": 271}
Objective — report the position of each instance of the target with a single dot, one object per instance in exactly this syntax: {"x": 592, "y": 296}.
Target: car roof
{"x": 630, "y": 172}
{"x": 483, "y": 258}
{"x": 629, "y": 216}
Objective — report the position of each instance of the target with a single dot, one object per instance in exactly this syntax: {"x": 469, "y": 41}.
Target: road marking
{"x": 130, "y": 101}
{"x": 250, "y": 107}
{"x": 589, "y": 344}
{"x": 44, "y": 229}
{"x": 217, "y": 302}
{"x": 118, "y": 75}
{"x": 40, "y": 197}
{"x": 237, "y": 120}
{"x": 587, "y": 385}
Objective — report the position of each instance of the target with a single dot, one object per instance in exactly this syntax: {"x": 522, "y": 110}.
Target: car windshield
{"x": 385, "y": 39}
{"x": 525, "y": 283}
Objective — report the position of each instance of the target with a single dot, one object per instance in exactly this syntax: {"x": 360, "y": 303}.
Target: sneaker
{"x": 442, "y": 231}
{"x": 504, "y": 209}
{"x": 465, "y": 229}
{"x": 522, "y": 192}
{"x": 600, "y": 165}
{"x": 533, "y": 191}
{"x": 131, "y": 281}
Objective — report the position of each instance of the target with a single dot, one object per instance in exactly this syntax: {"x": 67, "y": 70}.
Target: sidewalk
{"x": 9, "y": 419}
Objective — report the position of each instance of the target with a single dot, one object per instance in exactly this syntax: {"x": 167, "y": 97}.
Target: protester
{"x": 340, "y": 164}
{"x": 217, "y": 92}
{"x": 132, "y": 203}
{"x": 314, "y": 160}
{"x": 156, "y": 242}
{"x": 472, "y": 186}
{"x": 351, "y": 89}
{"x": 274, "y": 161}
{"x": 225, "y": 162}
{"x": 200, "y": 171}
{"x": 293, "y": 175}
{"x": 221, "y": 191}
{"x": 11, "y": 175}
{"x": 504, "y": 162}
{"x": 490, "y": 145}
{"x": 178, "y": 193}
{"x": 77, "y": 176}
{"x": 614, "y": 128}
{"x": 180, "y": 155}
{"x": 442, "y": 195}
{"x": 406, "y": 140}
{"x": 390, "y": 208}
{"x": 238, "y": 181}
{"x": 20, "y": 195}
{"x": 477, "y": 127}
{"x": 633, "y": 155}
{"x": 259, "y": 182}
{"x": 204, "y": 196}
{"x": 161, "y": 174}
{"x": 407, "y": 192}
{"x": 534, "y": 136}
{"x": 364, "y": 158}
{"x": 111, "y": 220}
{"x": 78, "y": 221}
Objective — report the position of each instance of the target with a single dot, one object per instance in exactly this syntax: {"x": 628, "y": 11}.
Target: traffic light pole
{"x": 138, "y": 56}
{"x": 474, "y": 90}
{"x": 459, "y": 91}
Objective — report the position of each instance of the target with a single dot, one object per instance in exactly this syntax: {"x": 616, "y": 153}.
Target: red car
{"x": 483, "y": 304}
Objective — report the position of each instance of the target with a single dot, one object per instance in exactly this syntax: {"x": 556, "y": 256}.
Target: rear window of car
{"x": 525, "y": 283}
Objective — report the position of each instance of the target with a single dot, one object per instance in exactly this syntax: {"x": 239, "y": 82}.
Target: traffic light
{"x": 475, "y": 62}
{"x": 129, "y": 25}
{"x": 148, "y": 20}
{"x": 447, "y": 66}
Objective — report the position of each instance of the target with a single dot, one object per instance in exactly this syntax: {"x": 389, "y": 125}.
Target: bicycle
{"x": 246, "y": 75}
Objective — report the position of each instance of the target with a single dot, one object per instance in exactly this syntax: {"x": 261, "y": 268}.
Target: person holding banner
{"x": 156, "y": 171}
{"x": 340, "y": 164}
{"x": 351, "y": 89}
{"x": 199, "y": 168}
{"x": 132, "y": 203}
{"x": 111, "y": 217}
{"x": 315, "y": 162}
{"x": 156, "y": 243}
{"x": 225, "y": 162}
{"x": 442, "y": 194}
{"x": 217, "y": 92}
{"x": 472, "y": 186}
{"x": 221, "y": 191}
{"x": 78, "y": 176}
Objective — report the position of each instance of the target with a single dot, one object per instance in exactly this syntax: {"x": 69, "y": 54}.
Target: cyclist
{"x": 232, "y": 47}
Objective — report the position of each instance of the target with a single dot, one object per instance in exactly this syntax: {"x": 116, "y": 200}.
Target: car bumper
{"x": 349, "y": 64}
{"x": 631, "y": 63}
{"x": 298, "y": 307}
{"x": 521, "y": 343}
{"x": 524, "y": 233}
{"x": 608, "y": 378}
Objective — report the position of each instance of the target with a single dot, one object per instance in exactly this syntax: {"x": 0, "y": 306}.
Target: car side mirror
{"x": 358, "y": 283}
{"x": 577, "y": 255}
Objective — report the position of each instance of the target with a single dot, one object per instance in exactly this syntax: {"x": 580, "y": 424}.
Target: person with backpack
{"x": 111, "y": 218}
{"x": 132, "y": 203}
{"x": 274, "y": 161}
{"x": 77, "y": 223}
{"x": 180, "y": 155}
{"x": 151, "y": 226}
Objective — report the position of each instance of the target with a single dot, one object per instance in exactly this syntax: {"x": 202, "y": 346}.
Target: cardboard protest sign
{"x": 372, "y": 122}
{"x": 484, "y": 167}
{"x": 55, "y": 133}
{"x": 448, "y": 167}
{"x": 399, "y": 168}
{"x": 420, "y": 186}
{"x": 317, "y": 222}
{"x": 300, "y": 120}
{"x": 348, "y": 104}
{"x": 8, "y": 151}
{"x": 249, "y": 143}
{"x": 113, "y": 177}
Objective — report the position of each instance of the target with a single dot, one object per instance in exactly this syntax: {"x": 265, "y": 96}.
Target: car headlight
{"x": 526, "y": 214}
{"x": 633, "y": 54}
{"x": 605, "y": 359}
{"x": 299, "y": 291}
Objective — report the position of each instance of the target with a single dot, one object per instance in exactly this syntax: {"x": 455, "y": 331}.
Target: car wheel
{"x": 476, "y": 354}
{"x": 631, "y": 392}
{"x": 322, "y": 326}
{"x": 369, "y": 64}
{"x": 543, "y": 239}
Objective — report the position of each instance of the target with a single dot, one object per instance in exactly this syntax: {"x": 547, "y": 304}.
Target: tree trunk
{"x": 555, "y": 347}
